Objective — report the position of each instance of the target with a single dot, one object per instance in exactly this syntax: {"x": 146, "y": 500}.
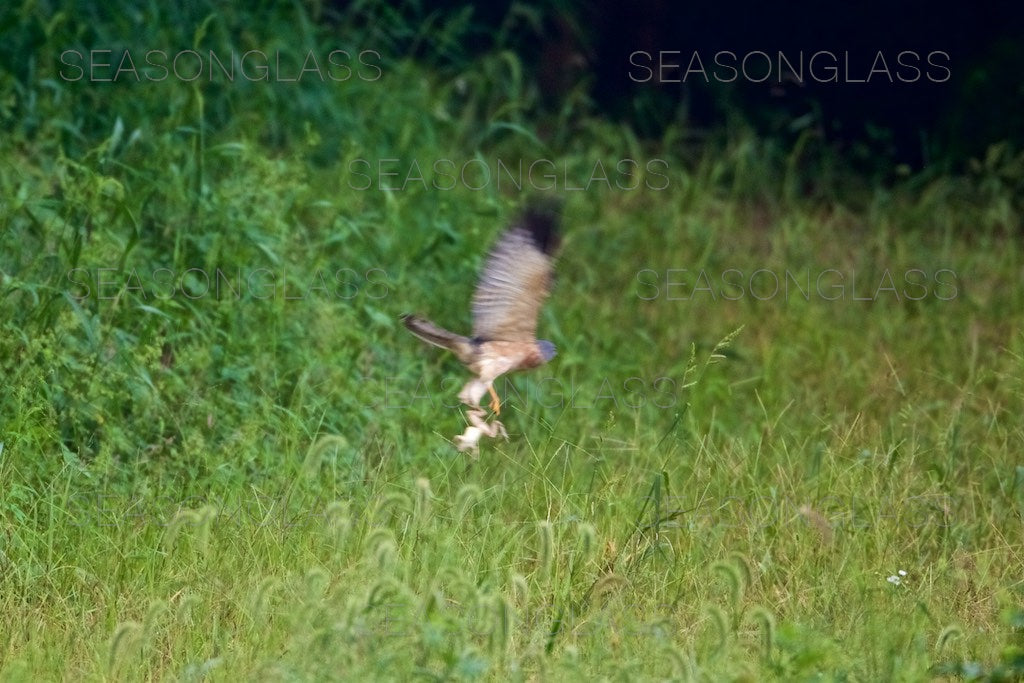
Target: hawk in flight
{"x": 515, "y": 280}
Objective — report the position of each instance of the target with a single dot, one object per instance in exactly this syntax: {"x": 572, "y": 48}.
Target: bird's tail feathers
{"x": 434, "y": 334}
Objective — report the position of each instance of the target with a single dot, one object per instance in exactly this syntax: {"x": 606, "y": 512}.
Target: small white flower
{"x": 902, "y": 572}
{"x": 894, "y": 580}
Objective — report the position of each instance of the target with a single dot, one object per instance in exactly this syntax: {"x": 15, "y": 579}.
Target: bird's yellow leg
{"x": 495, "y": 403}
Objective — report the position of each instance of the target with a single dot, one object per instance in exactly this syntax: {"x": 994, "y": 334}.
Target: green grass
{"x": 258, "y": 486}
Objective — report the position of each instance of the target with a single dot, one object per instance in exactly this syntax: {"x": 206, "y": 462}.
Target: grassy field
{"x": 782, "y": 438}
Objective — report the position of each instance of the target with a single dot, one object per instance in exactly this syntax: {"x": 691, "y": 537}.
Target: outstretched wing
{"x": 516, "y": 278}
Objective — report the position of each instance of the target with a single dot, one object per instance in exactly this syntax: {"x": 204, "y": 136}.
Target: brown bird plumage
{"x": 514, "y": 282}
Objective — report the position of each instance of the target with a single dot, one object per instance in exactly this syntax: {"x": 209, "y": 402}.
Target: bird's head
{"x": 547, "y": 349}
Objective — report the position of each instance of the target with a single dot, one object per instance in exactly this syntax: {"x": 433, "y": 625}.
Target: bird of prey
{"x": 514, "y": 281}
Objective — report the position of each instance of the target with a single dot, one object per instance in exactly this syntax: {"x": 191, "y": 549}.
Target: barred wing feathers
{"x": 515, "y": 279}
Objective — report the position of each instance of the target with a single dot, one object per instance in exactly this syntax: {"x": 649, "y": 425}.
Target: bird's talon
{"x": 495, "y": 401}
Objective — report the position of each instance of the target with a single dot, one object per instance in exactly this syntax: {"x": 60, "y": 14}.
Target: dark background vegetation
{"x": 579, "y": 50}
{"x": 589, "y": 43}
